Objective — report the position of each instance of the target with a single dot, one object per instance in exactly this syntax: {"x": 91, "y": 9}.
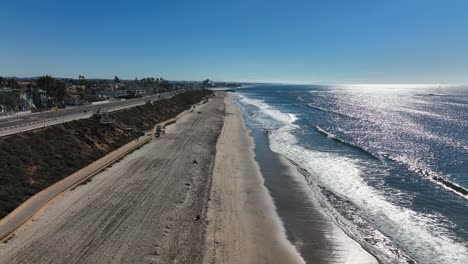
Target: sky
{"x": 295, "y": 41}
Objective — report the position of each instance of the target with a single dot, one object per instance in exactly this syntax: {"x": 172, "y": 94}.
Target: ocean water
{"x": 389, "y": 163}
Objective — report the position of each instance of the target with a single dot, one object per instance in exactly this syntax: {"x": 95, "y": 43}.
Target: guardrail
{"x": 14, "y": 129}
{"x": 53, "y": 121}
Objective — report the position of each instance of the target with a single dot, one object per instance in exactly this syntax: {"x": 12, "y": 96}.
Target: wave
{"x": 431, "y": 176}
{"x": 344, "y": 142}
{"x": 343, "y": 213}
{"x": 267, "y": 109}
{"x": 420, "y": 235}
{"x": 420, "y": 131}
{"x": 331, "y": 111}
{"x": 451, "y": 186}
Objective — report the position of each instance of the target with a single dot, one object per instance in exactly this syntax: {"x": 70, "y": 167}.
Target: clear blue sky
{"x": 308, "y": 41}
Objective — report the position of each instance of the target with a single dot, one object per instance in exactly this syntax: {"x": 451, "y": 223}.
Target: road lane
{"x": 14, "y": 125}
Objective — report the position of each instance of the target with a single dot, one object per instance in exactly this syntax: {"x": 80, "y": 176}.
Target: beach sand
{"x": 148, "y": 208}
{"x": 243, "y": 224}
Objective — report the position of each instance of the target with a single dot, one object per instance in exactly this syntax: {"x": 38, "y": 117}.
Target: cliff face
{"x": 32, "y": 161}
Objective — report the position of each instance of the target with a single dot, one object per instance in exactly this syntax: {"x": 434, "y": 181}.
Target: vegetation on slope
{"x": 146, "y": 116}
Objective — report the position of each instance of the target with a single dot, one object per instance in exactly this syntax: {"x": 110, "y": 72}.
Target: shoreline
{"x": 158, "y": 205}
{"x": 318, "y": 238}
{"x": 243, "y": 225}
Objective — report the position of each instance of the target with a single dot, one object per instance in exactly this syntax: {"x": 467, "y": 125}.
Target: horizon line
{"x": 265, "y": 82}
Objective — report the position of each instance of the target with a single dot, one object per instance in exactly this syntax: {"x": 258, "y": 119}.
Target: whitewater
{"x": 381, "y": 218}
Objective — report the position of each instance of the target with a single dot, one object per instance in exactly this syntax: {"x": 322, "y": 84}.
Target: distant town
{"x": 46, "y": 92}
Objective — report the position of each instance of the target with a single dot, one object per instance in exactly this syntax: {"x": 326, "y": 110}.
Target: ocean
{"x": 387, "y": 163}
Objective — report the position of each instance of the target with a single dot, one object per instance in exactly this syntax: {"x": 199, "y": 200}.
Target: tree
{"x": 53, "y": 87}
{"x": 82, "y": 81}
{"x": 116, "y": 79}
{"x": 12, "y": 83}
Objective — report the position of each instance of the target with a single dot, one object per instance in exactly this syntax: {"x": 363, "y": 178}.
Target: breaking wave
{"x": 342, "y": 141}
{"x": 267, "y": 109}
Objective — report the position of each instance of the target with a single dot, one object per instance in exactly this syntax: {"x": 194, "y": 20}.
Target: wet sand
{"x": 243, "y": 224}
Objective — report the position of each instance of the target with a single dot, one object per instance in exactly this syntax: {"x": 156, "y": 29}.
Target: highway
{"x": 13, "y": 125}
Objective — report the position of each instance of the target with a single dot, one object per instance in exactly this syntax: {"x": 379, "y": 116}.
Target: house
{"x": 95, "y": 98}
{"x": 9, "y": 99}
{"x": 73, "y": 99}
{"x": 23, "y": 99}
{"x": 39, "y": 98}
{"x": 26, "y": 101}
{"x": 27, "y": 84}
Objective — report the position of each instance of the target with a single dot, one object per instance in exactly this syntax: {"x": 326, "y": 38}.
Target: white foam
{"x": 420, "y": 235}
{"x": 267, "y": 109}
{"x": 342, "y": 176}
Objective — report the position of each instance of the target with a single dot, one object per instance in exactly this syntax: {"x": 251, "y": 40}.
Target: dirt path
{"x": 243, "y": 224}
{"x": 144, "y": 209}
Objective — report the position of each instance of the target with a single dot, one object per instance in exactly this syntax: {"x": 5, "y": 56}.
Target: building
{"x": 208, "y": 83}
{"x": 27, "y": 84}
{"x": 95, "y": 98}
{"x": 26, "y": 101}
{"x": 9, "y": 99}
{"x": 39, "y": 98}
{"x": 23, "y": 99}
{"x": 73, "y": 99}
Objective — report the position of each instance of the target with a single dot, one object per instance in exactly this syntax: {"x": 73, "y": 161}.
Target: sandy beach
{"x": 191, "y": 196}
{"x": 148, "y": 208}
{"x": 243, "y": 224}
